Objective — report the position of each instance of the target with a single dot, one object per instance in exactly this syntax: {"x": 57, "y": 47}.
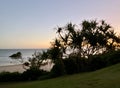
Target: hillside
{"x": 105, "y": 78}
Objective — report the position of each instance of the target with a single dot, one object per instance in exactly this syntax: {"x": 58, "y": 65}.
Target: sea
{"x": 5, "y": 60}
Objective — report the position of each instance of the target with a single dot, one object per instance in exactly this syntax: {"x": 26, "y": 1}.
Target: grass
{"x": 105, "y": 78}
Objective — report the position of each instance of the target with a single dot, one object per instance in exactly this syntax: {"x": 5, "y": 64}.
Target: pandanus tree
{"x": 90, "y": 39}
{"x": 99, "y": 37}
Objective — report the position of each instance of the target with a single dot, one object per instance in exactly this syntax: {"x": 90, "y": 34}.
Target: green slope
{"x": 105, "y": 78}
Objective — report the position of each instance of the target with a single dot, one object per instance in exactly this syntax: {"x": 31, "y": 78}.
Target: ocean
{"x": 6, "y": 60}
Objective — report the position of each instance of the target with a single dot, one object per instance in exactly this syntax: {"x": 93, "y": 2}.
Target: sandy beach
{"x": 12, "y": 68}
{"x": 19, "y": 68}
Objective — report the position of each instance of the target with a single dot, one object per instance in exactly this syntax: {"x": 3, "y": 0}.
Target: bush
{"x": 97, "y": 62}
{"x": 74, "y": 64}
{"x": 103, "y": 60}
{"x": 71, "y": 66}
{"x": 28, "y": 75}
{"x": 9, "y": 77}
{"x": 32, "y": 74}
{"x": 113, "y": 57}
{"x": 58, "y": 69}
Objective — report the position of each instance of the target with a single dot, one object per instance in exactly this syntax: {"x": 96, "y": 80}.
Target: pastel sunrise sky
{"x": 32, "y": 23}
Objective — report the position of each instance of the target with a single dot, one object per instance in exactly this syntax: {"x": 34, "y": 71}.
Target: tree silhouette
{"x": 90, "y": 39}
{"x": 36, "y": 61}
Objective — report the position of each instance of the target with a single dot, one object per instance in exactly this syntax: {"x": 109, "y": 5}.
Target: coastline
{"x": 19, "y": 68}
{"x": 12, "y": 68}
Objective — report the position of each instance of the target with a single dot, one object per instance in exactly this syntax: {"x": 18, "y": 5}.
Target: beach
{"x": 12, "y": 68}
{"x": 19, "y": 68}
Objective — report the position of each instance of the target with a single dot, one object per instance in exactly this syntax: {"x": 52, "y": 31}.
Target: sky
{"x": 32, "y": 23}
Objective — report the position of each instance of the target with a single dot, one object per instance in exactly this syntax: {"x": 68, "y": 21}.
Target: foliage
{"x": 112, "y": 57}
{"x": 84, "y": 48}
{"x": 28, "y": 75}
{"x": 90, "y": 39}
{"x": 58, "y": 69}
{"x": 33, "y": 74}
{"x": 33, "y": 65}
{"x": 55, "y": 54}
{"x": 105, "y": 78}
{"x": 9, "y": 77}
{"x": 36, "y": 61}
{"x": 71, "y": 66}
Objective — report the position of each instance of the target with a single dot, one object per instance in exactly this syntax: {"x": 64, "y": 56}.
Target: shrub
{"x": 58, "y": 69}
{"x": 97, "y": 62}
{"x": 71, "y": 66}
{"x": 113, "y": 57}
{"x": 9, "y": 77}
{"x": 32, "y": 74}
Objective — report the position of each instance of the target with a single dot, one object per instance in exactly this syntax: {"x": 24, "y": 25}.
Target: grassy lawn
{"x": 104, "y": 78}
